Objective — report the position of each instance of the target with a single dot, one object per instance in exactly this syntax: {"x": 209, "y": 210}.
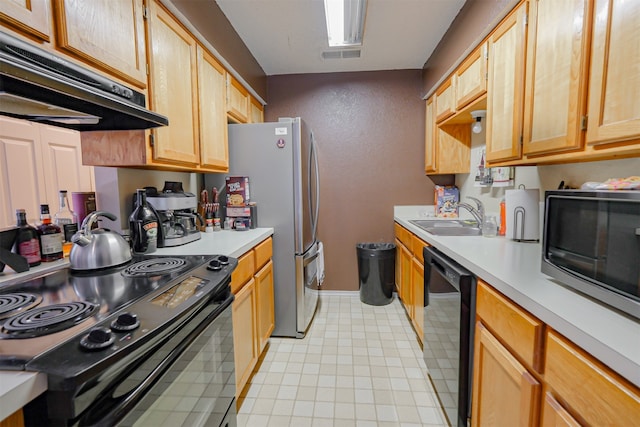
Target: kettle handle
{"x": 92, "y": 217}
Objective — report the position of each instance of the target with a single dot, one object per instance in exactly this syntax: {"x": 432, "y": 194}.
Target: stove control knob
{"x": 214, "y": 265}
{"x": 97, "y": 339}
{"x": 224, "y": 260}
{"x": 125, "y": 322}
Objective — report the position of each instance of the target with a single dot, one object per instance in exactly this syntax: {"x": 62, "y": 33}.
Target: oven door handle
{"x": 118, "y": 407}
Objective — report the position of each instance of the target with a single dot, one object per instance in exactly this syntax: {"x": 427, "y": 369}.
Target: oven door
{"x": 190, "y": 380}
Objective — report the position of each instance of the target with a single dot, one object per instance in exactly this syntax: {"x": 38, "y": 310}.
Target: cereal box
{"x": 237, "y": 190}
{"x": 446, "y": 199}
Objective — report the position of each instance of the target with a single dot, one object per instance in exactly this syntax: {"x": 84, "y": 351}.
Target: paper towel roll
{"x": 522, "y": 214}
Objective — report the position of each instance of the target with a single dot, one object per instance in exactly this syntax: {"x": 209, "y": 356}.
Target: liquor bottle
{"x": 67, "y": 220}
{"x": 143, "y": 225}
{"x": 50, "y": 237}
{"x": 27, "y": 243}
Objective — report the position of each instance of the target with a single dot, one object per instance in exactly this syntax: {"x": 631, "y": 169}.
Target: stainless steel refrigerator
{"x": 281, "y": 162}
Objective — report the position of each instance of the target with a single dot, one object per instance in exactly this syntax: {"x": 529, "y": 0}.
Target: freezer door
{"x": 306, "y": 288}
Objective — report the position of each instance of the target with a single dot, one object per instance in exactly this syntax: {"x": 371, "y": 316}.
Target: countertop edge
{"x": 23, "y": 388}
{"x": 576, "y": 325}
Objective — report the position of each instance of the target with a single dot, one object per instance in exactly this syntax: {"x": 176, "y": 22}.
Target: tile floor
{"x": 359, "y": 365}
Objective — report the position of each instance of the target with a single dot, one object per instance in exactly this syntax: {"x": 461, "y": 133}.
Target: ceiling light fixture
{"x": 345, "y": 22}
{"x": 478, "y": 115}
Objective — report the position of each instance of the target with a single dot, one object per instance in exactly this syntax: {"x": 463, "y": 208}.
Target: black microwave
{"x": 591, "y": 243}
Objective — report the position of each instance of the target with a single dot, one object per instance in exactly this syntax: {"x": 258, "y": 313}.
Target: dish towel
{"x": 320, "y": 264}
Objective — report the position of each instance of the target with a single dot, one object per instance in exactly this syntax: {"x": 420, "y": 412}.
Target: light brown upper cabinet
{"x": 471, "y": 77}
{"x": 446, "y": 100}
{"x": 614, "y": 87}
{"x": 429, "y": 137}
{"x": 30, "y": 17}
{"x": 214, "y": 150}
{"x": 237, "y": 100}
{"x": 556, "y": 77}
{"x": 173, "y": 88}
{"x": 505, "y": 87}
{"x": 106, "y": 34}
{"x": 187, "y": 84}
{"x": 257, "y": 111}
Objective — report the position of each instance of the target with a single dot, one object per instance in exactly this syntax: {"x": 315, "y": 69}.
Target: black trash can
{"x": 377, "y": 271}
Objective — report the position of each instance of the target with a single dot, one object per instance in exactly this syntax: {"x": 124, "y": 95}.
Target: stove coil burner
{"x": 154, "y": 267}
{"x": 47, "y": 319}
{"x": 11, "y": 304}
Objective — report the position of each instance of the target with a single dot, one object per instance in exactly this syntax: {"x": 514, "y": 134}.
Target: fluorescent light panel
{"x": 345, "y": 22}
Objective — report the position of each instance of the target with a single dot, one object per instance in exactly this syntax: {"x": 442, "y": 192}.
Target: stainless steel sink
{"x": 440, "y": 227}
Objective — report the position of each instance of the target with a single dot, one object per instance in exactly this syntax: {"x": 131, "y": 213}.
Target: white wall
{"x": 542, "y": 177}
{"x": 115, "y": 188}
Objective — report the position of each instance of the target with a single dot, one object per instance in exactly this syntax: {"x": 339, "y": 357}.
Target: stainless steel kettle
{"x": 98, "y": 248}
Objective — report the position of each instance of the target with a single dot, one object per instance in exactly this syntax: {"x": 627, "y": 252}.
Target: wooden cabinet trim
{"x": 244, "y": 333}
{"x": 33, "y": 19}
{"x": 521, "y": 332}
{"x": 554, "y": 415}
{"x": 265, "y": 305}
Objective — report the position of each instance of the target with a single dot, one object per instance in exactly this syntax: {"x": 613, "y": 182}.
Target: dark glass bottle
{"x": 50, "y": 237}
{"x": 143, "y": 226}
{"x": 27, "y": 242}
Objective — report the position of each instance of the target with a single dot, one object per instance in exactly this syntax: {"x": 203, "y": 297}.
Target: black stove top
{"x": 46, "y": 312}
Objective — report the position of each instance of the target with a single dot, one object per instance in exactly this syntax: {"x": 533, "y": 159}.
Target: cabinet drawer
{"x": 517, "y": 329}
{"x": 589, "y": 389}
{"x": 417, "y": 245}
{"x": 263, "y": 252}
{"x": 243, "y": 272}
{"x": 403, "y": 235}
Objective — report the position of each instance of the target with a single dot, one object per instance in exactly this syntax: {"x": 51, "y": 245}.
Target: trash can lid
{"x": 376, "y": 246}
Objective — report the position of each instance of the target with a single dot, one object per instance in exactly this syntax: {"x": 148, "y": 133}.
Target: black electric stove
{"x": 79, "y": 328}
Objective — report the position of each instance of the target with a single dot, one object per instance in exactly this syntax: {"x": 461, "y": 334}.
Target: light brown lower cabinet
{"x": 14, "y": 420}
{"x": 504, "y": 392}
{"x": 524, "y": 373}
{"x": 265, "y": 301}
{"x": 244, "y": 332}
{"x": 252, "y": 310}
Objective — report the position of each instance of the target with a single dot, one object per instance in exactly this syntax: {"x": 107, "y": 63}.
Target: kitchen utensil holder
{"x": 519, "y": 213}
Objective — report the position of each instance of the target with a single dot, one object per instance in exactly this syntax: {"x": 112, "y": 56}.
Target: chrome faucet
{"x": 476, "y": 212}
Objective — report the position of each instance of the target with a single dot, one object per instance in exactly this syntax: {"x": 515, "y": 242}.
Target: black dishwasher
{"x": 449, "y": 313}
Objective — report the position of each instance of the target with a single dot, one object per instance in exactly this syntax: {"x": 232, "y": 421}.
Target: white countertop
{"x": 514, "y": 269}
{"x": 17, "y": 388}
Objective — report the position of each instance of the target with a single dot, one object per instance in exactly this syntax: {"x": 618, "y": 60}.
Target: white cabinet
{"x": 36, "y": 161}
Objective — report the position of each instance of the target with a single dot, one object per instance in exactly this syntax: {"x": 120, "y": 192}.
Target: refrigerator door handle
{"x": 313, "y": 157}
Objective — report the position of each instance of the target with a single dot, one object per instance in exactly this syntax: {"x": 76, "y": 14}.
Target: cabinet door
{"x": 614, "y": 87}
{"x": 257, "y": 111}
{"x": 244, "y": 334}
{"x": 406, "y": 280}
{"x": 105, "y": 33}
{"x": 429, "y": 137}
{"x": 265, "y": 302}
{"x": 556, "y": 79}
{"x": 237, "y": 100}
{"x": 173, "y": 89}
{"x": 554, "y": 415}
{"x": 417, "y": 285}
{"x": 445, "y": 100}
{"x": 471, "y": 77}
{"x": 214, "y": 150}
{"x": 505, "y": 87}
{"x": 504, "y": 392}
{"x": 32, "y": 17}
{"x": 22, "y": 185}
{"x": 62, "y": 163}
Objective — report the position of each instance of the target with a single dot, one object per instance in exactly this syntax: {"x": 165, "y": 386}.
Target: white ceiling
{"x": 289, "y": 36}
